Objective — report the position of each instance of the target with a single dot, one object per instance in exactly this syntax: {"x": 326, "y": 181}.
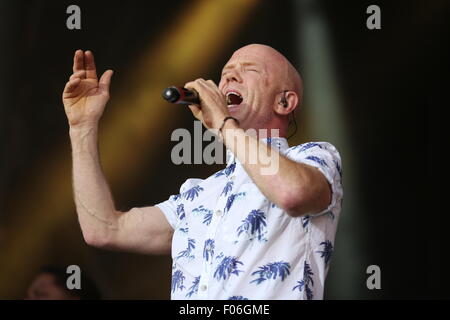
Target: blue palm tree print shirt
{"x": 231, "y": 242}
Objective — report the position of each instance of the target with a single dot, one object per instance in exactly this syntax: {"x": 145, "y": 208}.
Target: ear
{"x": 285, "y": 106}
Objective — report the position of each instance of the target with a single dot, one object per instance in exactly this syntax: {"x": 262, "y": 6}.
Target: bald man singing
{"x": 242, "y": 233}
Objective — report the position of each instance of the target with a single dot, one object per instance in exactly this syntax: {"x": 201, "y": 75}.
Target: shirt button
{"x": 232, "y": 178}
{"x": 203, "y": 287}
{"x": 218, "y": 213}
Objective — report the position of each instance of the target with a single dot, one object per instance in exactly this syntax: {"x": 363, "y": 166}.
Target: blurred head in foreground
{"x": 50, "y": 284}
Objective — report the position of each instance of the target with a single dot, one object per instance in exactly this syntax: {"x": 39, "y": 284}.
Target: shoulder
{"x": 315, "y": 151}
{"x": 189, "y": 184}
{"x": 310, "y": 147}
{"x": 318, "y": 154}
{"x": 326, "y": 158}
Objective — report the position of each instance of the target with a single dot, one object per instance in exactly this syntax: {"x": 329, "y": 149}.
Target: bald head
{"x": 263, "y": 86}
{"x": 278, "y": 66}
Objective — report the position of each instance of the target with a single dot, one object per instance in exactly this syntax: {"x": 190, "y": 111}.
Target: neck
{"x": 274, "y": 129}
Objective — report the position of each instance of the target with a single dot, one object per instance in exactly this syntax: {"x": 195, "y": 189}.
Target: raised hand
{"x": 84, "y": 96}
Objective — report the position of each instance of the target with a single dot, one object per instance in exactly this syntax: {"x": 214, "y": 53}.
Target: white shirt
{"x": 231, "y": 242}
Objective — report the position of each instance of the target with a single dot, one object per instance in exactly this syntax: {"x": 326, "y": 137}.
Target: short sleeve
{"x": 325, "y": 157}
{"x": 173, "y": 207}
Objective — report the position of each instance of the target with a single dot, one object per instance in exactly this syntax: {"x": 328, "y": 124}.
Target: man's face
{"x": 250, "y": 81}
{"x": 44, "y": 287}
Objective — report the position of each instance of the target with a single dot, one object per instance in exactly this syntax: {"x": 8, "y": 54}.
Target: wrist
{"x": 229, "y": 126}
{"x": 83, "y": 130}
{"x": 85, "y": 126}
{"x": 230, "y": 123}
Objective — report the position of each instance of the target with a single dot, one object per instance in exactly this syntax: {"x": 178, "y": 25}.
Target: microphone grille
{"x": 171, "y": 94}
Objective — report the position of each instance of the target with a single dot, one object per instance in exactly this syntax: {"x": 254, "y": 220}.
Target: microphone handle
{"x": 180, "y": 95}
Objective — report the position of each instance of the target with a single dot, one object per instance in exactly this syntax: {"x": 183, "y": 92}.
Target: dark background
{"x": 391, "y": 101}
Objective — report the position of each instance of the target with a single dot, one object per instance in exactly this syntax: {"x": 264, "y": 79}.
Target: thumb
{"x": 196, "y": 111}
{"x": 105, "y": 81}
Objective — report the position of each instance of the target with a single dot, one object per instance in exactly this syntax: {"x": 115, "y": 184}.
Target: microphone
{"x": 180, "y": 95}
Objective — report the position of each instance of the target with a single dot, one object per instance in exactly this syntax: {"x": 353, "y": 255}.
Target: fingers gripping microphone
{"x": 181, "y": 95}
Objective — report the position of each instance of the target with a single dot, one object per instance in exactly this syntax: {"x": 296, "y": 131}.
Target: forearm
{"x": 288, "y": 184}
{"x": 93, "y": 198}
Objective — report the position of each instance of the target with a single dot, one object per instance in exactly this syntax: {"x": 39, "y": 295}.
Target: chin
{"x": 234, "y": 109}
{"x": 237, "y": 109}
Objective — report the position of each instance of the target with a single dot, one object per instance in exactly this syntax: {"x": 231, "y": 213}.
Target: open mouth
{"x": 234, "y": 98}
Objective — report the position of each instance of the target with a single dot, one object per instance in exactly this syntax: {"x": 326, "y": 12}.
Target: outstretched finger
{"x": 105, "y": 81}
{"x": 89, "y": 64}
{"x": 78, "y": 61}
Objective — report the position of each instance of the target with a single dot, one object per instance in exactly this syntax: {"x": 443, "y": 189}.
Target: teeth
{"x": 229, "y": 99}
{"x": 235, "y": 93}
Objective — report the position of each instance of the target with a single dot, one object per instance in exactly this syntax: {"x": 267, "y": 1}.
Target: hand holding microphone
{"x": 213, "y": 111}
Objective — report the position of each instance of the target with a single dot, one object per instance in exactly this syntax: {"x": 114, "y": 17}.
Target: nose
{"x": 232, "y": 76}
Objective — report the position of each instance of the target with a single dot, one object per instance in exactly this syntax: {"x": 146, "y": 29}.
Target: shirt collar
{"x": 280, "y": 144}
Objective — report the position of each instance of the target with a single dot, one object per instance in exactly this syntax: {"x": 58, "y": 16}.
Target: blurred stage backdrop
{"x": 372, "y": 93}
